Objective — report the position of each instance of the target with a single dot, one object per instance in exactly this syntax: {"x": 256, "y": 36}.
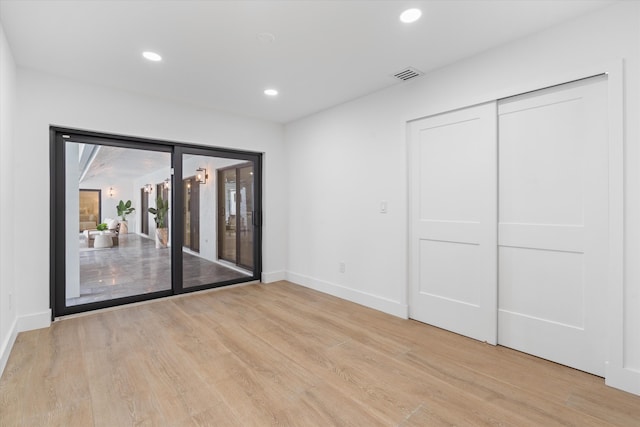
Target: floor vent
{"x": 407, "y": 74}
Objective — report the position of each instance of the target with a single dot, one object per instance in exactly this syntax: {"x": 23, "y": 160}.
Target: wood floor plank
{"x": 616, "y": 409}
{"x": 77, "y": 414}
{"x": 325, "y": 405}
{"x": 348, "y": 330}
{"x": 218, "y": 415}
{"x": 281, "y": 354}
{"x": 433, "y": 389}
{"x": 498, "y": 394}
{"x": 13, "y": 385}
{"x": 251, "y": 398}
{"x": 273, "y": 368}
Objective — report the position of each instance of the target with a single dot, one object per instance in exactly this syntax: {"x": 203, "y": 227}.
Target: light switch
{"x": 383, "y": 206}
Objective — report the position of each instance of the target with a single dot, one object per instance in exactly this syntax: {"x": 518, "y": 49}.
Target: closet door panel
{"x": 453, "y": 221}
{"x": 553, "y": 220}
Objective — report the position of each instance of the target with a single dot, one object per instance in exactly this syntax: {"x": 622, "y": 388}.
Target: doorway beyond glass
{"x": 235, "y": 214}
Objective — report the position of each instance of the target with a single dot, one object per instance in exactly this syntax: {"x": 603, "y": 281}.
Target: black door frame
{"x": 57, "y": 243}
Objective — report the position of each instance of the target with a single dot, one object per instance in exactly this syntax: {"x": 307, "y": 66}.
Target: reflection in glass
{"x": 228, "y": 200}
{"x": 245, "y": 221}
{"x": 109, "y": 264}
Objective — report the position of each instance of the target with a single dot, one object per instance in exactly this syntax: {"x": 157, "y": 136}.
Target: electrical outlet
{"x": 342, "y": 267}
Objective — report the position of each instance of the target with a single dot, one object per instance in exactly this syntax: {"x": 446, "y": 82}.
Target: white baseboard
{"x": 22, "y": 324}
{"x": 623, "y": 378}
{"x": 34, "y": 321}
{"x": 363, "y": 298}
{"x": 7, "y": 345}
{"x": 274, "y": 276}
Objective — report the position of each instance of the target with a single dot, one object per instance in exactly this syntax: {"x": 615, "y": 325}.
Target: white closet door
{"x": 553, "y": 224}
{"x": 453, "y": 217}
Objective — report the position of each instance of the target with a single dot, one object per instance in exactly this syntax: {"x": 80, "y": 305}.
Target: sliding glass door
{"x": 135, "y": 219}
{"x": 103, "y": 260}
{"x": 211, "y": 220}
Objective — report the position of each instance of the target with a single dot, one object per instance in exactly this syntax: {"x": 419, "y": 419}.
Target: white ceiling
{"x": 117, "y": 165}
{"x": 324, "y": 53}
{"x": 114, "y": 164}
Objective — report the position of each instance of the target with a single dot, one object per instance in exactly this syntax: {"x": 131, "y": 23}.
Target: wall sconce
{"x": 148, "y": 188}
{"x": 110, "y": 191}
{"x": 202, "y": 176}
{"x": 167, "y": 183}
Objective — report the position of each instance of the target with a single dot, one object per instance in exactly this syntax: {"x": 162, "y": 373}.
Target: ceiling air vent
{"x": 408, "y": 74}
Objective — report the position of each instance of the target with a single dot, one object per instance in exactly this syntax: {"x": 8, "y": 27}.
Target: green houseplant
{"x": 159, "y": 216}
{"x": 102, "y": 240}
{"x": 124, "y": 209}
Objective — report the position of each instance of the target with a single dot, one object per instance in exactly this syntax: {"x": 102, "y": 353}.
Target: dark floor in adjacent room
{"x": 136, "y": 267}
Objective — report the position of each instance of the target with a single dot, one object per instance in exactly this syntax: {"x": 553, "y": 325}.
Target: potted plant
{"x": 160, "y": 215}
{"x": 124, "y": 209}
{"x": 102, "y": 240}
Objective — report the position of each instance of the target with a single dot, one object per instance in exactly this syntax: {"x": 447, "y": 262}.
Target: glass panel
{"x": 187, "y": 212}
{"x": 245, "y": 225}
{"x": 228, "y": 238}
{"x": 119, "y": 261}
{"x": 211, "y": 213}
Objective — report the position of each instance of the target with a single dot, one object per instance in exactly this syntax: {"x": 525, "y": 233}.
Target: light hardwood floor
{"x": 280, "y": 354}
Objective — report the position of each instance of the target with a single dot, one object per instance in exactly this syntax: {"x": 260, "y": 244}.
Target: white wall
{"x": 8, "y": 329}
{"x": 45, "y": 100}
{"x": 342, "y": 162}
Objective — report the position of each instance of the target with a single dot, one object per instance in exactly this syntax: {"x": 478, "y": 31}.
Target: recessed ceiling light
{"x": 152, "y": 56}
{"x": 410, "y": 15}
{"x": 270, "y": 92}
{"x": 266, "y": 38}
